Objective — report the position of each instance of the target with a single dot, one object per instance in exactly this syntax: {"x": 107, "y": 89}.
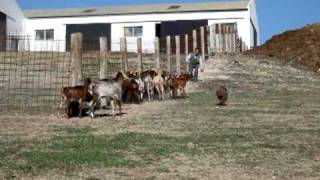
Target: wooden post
{"x": 219, "y": 38}
{"x": 169, "y": 54}
{"x": 157, "y": 53}
{"x": 178, "y": 65}
{"x": 222, "y": 38}
{"x": 227, "y": 38}
{"x": 246, "y": 47}
{"x": 233, "y": 38}
{"x": 76, "y": 62}
{"x": 194, "y": 38}
{"x": 207, "y": 29}
{"x": 240, "y": 44}
{"x": 212, "y": 39}
{"x": 230, "y": 39}
{"x": 203, "y": 50}
{"x": 139, "y": 50}
{"x": 124, "y": 53}
{"x": 224, "y": 30}
{"x": 237, "y": 43}
{"x": 243, "y": 46}
{"x": 186, "y": 41}
{"x": 103, "y": 57}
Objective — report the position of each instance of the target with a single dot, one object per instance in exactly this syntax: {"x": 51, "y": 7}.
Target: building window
{"x": 135, "y": 31}
{"x": 45, "y": 34}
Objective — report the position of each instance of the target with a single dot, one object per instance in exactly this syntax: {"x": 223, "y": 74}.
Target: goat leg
{"x": 80, "y": 108}
{"x": 118, "y": 102}
{"x": 120, "y": 106}
{"x": 113, "y": 107}
{"x": 68, "y": 109}
{"x": 162, "y": 93}
{"x": 93, "y": 103}
{"x": 174, "y": 92}
{"x": 158, "y": 91}
{"x": 59, "y": 108}
{"x": 129, "y": 96}
{"x": 184, "y": 92}
{"x": 148, "y": 92}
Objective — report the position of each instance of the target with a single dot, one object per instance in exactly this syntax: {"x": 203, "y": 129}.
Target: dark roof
{"x": 138, "y": 9}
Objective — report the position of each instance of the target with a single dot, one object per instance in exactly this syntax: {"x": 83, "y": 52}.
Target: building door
{"x": 3, "y": 31}
{"x": 181, "y": 27}
{"x": 91, "y": 34}
{"x": 158, "y": 30}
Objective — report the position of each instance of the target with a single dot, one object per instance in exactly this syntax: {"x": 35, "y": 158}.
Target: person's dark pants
{"x": 195, "y": 73}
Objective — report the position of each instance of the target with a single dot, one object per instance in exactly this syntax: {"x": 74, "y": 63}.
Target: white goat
{"x": 109, "y": 89}
{"x": 159, "y": 84}
{"x": 149, "y": 86}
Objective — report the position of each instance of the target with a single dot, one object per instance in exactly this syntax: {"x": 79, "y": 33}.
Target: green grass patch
{"x": 235, "y": 134}
{"x": 78, "y": 147}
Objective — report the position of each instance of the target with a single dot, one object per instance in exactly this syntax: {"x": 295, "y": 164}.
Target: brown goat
{"x": 130, "y": 90}
{"x": 75, "y": 94}
{"x": 183, "y": 79}
{"x": 222, "y": 95}
{"x": 179, "y": 83}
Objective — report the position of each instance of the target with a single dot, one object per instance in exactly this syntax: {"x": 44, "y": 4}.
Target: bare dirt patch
{"x": 297, "y": 47}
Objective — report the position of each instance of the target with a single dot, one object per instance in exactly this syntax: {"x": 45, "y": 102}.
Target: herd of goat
{"x": 124, "y": 87}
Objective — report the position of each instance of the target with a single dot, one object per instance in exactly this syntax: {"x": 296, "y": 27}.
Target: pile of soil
{"x": 301, "y": 46}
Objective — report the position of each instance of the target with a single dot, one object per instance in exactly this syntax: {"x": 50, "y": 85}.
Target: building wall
{"x": 15, "y": 17}
{"x": 148, "y": 22}
{"x": 148, "y": 34}
{"x": 242, "y": 26}
{"x": 254, "y": 19}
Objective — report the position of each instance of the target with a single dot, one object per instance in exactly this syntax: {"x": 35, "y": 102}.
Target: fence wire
{"x": 30, "y": 82}
{"x": 31, "y": 78}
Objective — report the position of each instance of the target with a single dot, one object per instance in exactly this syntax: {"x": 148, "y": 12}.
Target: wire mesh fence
{"x": 30, "y": 82}
{"x": 33, "y": 72}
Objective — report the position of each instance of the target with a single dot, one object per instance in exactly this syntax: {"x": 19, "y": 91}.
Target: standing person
{"x": 195, "y": 62}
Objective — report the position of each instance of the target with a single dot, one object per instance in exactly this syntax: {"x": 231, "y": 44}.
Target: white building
{"x": 12, "y": 21}
{"x": 11, "y": 18}
{"x": 146, "y": 21}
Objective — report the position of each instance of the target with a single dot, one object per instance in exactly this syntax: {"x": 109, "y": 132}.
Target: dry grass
{"x": 269, "y": 130}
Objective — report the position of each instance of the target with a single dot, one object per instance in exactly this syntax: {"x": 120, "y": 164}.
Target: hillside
{"x": 300, "y": 47}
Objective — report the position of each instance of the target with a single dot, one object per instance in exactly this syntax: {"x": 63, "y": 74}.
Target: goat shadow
{"x": 74, "y": 111}
{"x": 105, "y": 111}
{"x": 101, "y": 115}
{"x": 181, "y": 97}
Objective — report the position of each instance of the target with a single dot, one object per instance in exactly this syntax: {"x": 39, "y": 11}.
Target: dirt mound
{"x": 301, "y": 46}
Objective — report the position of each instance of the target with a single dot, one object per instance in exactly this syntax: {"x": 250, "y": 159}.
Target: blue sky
{"x": 275, "y": 16}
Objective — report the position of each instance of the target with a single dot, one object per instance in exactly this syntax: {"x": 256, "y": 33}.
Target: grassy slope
{"x": 269, "y": 129}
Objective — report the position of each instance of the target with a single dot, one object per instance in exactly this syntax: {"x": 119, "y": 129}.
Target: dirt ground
{"x": 269, "y": 130}
{"x": 297, "y": 47}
